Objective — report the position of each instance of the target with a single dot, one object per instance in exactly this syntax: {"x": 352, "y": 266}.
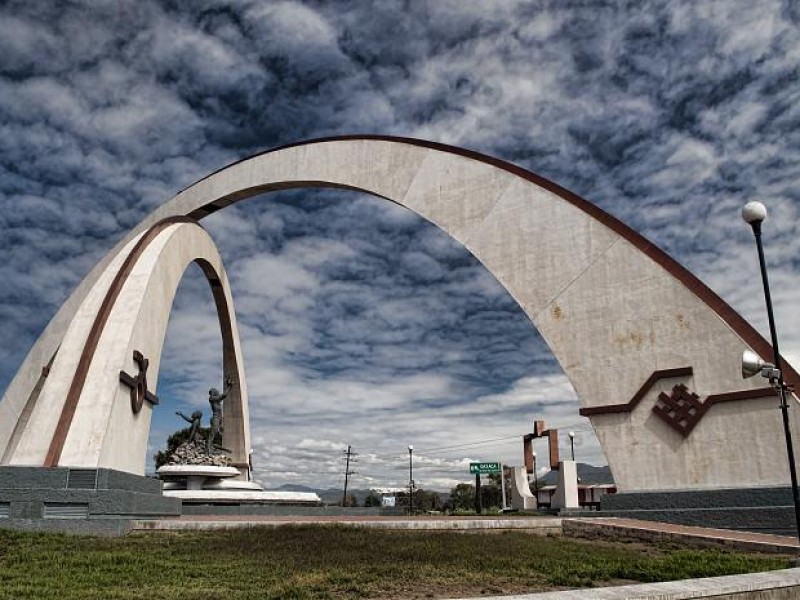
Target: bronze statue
{"x": 194, "y": 419}
{"x": 215, "y": 400}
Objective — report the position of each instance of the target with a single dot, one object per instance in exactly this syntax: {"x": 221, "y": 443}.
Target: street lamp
{"x": 754, "y": 213}
{"x": 571, "y": 435}
{"x": 410, "y": 479}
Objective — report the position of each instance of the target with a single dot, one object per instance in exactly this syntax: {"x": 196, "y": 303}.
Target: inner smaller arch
{"x": 191, "y": 359}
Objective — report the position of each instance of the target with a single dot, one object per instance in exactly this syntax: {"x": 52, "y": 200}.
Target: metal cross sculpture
{"x": 138, "y": 384}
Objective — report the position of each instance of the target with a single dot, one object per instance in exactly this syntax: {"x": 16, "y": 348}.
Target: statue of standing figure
{"x": 215, "y": 400}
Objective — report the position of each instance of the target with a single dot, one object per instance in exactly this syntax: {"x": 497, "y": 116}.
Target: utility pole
{"x": 503, "y": 483}
{"x": 410, "y": 480}
{"x": 349, "y": 456}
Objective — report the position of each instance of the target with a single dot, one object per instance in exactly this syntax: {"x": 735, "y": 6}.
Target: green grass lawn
{"x": 337, "y": 562}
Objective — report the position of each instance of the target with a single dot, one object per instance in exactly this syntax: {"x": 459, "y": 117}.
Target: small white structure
{"x": 521, "y": 496}
{"x": 566, "y": 495}
{"x": 389, "y": 495}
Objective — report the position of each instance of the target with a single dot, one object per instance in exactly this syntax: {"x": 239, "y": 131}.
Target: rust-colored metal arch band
{"x": 734, "y": 320}
{"x": 89, "y": 348}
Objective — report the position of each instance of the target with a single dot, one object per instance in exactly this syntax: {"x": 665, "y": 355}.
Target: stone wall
{"x": 762, "y": 510}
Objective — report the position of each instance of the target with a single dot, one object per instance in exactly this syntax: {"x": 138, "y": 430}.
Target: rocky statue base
{"x": 194, "y": 453}
{"x": 199, "y": 479}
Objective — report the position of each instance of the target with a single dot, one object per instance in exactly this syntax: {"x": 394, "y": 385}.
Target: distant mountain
{"x": 293, "y": 487}
{"x": 588, "y": 475}
{"x": 328, "y": 496}
{"x": 334, "y": 495}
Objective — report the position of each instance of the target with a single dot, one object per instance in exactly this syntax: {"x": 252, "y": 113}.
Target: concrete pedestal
{"x": 210, "y": 485}
{"x": 763, "y": 509}
{"x": 79, "y": 500}
{"x": 566, "y": 495}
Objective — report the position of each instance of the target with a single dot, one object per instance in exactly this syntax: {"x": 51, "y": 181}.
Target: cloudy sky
{"x": 361, "y": 323}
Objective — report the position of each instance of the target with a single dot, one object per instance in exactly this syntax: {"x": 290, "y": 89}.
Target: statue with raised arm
{"x": 215, "y": 400}
{"x": 194, "y": 419}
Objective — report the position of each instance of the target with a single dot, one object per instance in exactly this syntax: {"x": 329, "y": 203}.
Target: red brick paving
{"x": 703, "y": 536}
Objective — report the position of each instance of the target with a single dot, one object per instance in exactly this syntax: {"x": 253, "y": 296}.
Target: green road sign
{"x": 483, "y": 468}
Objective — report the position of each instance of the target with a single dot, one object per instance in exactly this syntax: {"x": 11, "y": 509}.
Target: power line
{"x": 440, "y": 449}
{"x": 476, "y": 443}
{"x": 579, "y": 425}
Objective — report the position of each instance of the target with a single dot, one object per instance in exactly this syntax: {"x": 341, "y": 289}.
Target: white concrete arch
{"x": 83, "y": 415}
{"x": 623, "y": 319}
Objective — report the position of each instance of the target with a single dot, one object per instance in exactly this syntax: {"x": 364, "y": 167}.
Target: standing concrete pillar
{"x": 566, "y": 495}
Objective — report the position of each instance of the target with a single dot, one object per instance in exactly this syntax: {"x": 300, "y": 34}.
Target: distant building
{"x": 593, "y": 483}
{"x": 389, "y": 495}
{"x": 588, "y": 495}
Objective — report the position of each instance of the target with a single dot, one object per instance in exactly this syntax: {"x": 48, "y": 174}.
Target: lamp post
{"x": 571, "y": 435}
{"x": 410, "y": 479}
{"x": 754, "y": 214}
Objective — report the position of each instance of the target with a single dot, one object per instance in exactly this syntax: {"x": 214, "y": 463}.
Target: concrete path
{"x": 772, "y": 585}
{"x": 652, "y": 531}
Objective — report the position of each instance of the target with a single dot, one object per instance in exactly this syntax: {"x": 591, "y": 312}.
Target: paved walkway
{"x": 611, "y": 527}
{"x": 772, "y": 585}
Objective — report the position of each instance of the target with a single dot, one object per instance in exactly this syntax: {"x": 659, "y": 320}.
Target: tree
{"x": 372, "y": 500}
{"x": 462, "y": 497}
{"x": 425, "y": 500}
{"x": 350, "y": 501}
{"x": 173, "y": 441}
{"x": 491, "y": 492}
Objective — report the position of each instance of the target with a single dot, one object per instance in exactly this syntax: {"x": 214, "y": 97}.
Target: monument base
{"x": 203, "y": 485}
{"x": 763, "y": 510}
{"x": 566, "y": 495}
{"x": 79, "y": 500}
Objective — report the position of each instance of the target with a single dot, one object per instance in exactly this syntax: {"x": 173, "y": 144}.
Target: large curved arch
{"x": 624, "y": 320}
{"x": 83, "y": 415}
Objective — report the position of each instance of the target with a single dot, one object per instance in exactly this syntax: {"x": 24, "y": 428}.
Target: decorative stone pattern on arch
{"x": 681, "y": 409}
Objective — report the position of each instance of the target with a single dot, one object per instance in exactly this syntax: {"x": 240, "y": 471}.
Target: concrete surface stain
{"x": 558, "y": 314}
{"x": 634, "y": 339}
